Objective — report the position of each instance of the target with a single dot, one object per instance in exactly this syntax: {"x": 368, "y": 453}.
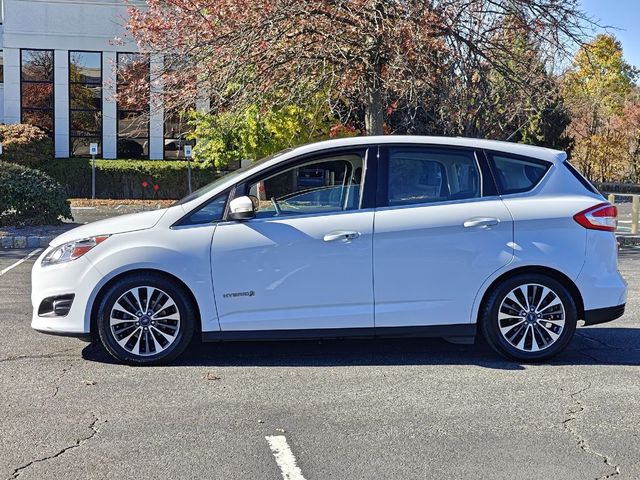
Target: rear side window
{"x": 517, "y": 174}
{"x": 427, "y": 175}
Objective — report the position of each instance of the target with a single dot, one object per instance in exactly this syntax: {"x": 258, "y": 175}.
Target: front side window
{"x": 210, "y": 212}
{"x": 331, "y": 184}
{"x": 36, "y": 89}
{"x": 429, "y": 175}
{"x": 516, "y": 174}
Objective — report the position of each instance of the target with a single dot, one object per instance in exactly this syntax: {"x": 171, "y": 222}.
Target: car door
{"x": 305, "y": 261}
{"x": 440, "y": 232}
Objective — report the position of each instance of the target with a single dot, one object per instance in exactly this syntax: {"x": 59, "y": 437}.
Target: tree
{"x": 629, "y": 124}
{"x": 597, "y": 88}
{"x": 370, "y": 57}
{"x": 253, "y": 133}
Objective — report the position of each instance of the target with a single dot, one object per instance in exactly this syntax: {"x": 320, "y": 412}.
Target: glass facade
{"x": 132, "y": 113}
{"x": 176, "y": 125}
{"x": 85, "y": 102}
{"x": 36, "y": 88}
{"x": 175, "y": 133}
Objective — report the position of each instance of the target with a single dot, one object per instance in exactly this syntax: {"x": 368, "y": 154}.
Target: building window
{"x": 133, "y": 106}
{"x": 85, "y": 102}
{"x": 176, "y": 128}
{"x": 36, "y": 89}
{"x": 1, "y": 66}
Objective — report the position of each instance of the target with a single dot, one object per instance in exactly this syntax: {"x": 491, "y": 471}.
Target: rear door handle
{"x": 341, "y": 235}
{"x": 481, "y": 222}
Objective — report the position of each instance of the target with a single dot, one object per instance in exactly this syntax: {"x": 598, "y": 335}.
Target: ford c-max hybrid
{"x": 373, "y": 236}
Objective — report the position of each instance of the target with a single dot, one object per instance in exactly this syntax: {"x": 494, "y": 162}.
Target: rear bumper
{"x": 602, "y": 315}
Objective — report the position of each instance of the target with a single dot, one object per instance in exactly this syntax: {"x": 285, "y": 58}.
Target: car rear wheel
{"x": 529, "y": 317}
{"x": 145, "y": 320}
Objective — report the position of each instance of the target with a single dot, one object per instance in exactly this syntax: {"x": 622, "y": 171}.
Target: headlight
{"x": 72, "y": 250}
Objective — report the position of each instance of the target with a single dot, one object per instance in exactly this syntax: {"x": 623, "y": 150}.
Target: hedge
{"x": 128, "y": 178}
{"x": 29, "y": 197}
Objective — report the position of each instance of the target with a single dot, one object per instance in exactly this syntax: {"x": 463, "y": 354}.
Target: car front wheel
{"x": 529, "y": 317}
{"x": 145, "y": 320}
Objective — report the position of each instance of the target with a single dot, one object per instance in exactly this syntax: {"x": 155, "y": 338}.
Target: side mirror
{"x": 243, "y": 208}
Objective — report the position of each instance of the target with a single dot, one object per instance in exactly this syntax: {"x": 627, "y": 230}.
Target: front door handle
{"x": 341, "y": 235}
{"x": 481, "y": 222}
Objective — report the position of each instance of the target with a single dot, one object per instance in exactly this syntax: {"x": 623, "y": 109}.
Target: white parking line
{"x": 36, "y": 251}
{"x": 284, "y": 458}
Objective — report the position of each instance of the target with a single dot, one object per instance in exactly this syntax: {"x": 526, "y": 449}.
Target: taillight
{"x": 600, "y": 217}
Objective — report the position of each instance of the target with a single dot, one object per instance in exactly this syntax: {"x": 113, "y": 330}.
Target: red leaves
{"x": 248, "y": 52}
{"x": 392, "y": 108}
{"x": 341, "y": 130}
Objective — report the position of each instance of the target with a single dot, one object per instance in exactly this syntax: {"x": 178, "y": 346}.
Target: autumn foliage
{"x": 275, "y": 73}
{"x": 605, "y": 112}
{"x": 25, "y": 145}
{"x": 372, "y": 59}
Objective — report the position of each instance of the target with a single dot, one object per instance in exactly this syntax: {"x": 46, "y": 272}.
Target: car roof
{"x": 542, "y": 153}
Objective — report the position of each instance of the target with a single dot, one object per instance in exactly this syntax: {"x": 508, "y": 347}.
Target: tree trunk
{"x": 373, "y": 114}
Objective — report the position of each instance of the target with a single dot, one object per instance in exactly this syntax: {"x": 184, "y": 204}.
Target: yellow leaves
{"x": 596, "y": 89}
{"x": 255, "y": 132}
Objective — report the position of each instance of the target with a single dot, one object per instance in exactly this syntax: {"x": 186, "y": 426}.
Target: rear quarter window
{"x": 585, "y": 183}
{"x": 517, "y": 174}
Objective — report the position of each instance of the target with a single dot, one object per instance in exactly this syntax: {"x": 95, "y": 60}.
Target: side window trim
{"x": 487, "y": 183}
{"x": 494, "y": 170}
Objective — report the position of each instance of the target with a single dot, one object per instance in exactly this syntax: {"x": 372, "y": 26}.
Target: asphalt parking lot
{"x": 370, "y": 409}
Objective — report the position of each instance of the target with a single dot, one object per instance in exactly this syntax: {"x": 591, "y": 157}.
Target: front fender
{"x": 182, "y": 253}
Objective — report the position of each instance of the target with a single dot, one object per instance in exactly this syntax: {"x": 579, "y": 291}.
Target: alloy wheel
{"x": 531, "y": 317}
{"x": 144, "y": 321}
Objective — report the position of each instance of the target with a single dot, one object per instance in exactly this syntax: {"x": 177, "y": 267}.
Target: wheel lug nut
{"x": 139, "y": 314}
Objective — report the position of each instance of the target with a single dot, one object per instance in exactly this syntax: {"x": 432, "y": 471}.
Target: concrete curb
{"x": 21, "y": 242}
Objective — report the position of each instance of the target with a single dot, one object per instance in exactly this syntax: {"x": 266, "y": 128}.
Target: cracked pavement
{"x": 366, "y": 409}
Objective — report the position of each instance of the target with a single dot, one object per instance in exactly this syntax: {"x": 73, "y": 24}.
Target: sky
{"x": 623, "y": 14}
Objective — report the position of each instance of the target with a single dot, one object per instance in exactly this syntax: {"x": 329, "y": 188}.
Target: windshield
{"x": 219, "y": 181}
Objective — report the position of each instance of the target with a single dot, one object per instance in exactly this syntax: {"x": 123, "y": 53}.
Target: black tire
{"x": 489, "y": 323}
{"x": 182, "y": 334}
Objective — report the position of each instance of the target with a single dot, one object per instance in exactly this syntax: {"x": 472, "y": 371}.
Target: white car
{"x": 373, "y": 236}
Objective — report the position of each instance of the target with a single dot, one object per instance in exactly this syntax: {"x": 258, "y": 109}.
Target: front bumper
{"x": 602, "y": 315}
{"x": 79, "y": 278}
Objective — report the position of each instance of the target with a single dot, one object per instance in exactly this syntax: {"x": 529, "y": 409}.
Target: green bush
{"x": 127, "y": 178}
{"x": 29, "y": 197}
{"x": 25, "y": 145}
